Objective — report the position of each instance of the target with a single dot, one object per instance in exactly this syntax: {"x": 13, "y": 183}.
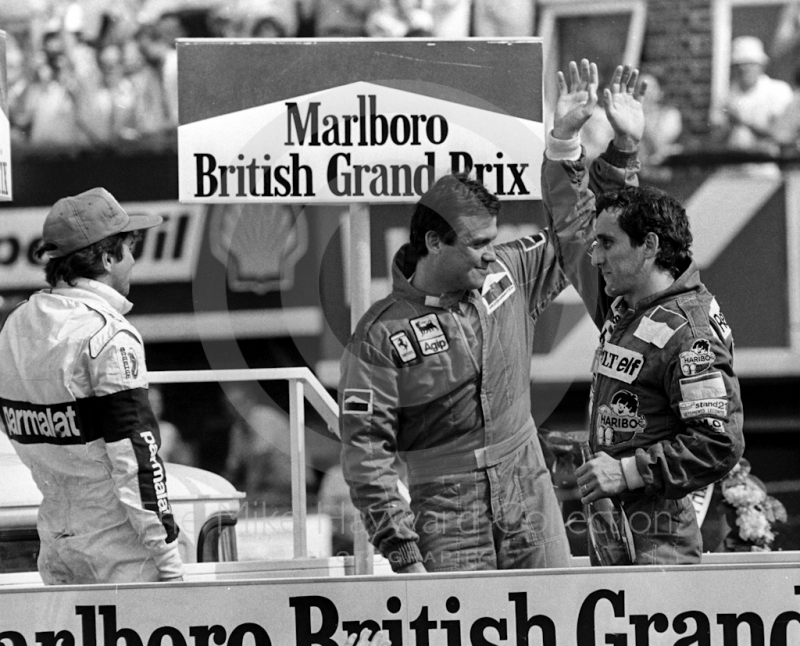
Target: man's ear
{"x": 651, "y": 245}
{"x": 433, "y": 242}
{"x": 108, "y": 261}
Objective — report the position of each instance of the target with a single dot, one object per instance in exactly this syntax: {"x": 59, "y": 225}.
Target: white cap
{"x": 748, "y": 49}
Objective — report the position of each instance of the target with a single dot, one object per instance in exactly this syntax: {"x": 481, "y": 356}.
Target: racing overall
{"x": 73, "y": 394}
{"x": 442, "y": 385}
{"x": 665, "y": 399}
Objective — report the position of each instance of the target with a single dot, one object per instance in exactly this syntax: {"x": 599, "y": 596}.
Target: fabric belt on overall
{"x": 442, "y": 462}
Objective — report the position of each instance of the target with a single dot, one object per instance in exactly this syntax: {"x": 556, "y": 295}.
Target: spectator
{"x": 156, "y": 83}
{"x": 755, "y": 100}
{"x": 663, "y": 125}
{"x": 787, "y": 126}
{"x": 334, "y": 501}
{"x": 259, "y": 447}
{"x": 55, "y": 109}
{"x": 509, "y": 18}
{"x": 268, "y": 18}
{"x": 114, "y": 98}
{"x": 342, "y": 18}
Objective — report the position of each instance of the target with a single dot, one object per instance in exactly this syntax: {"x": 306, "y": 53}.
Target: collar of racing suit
{"x": 92, "y": 290}
{"x": 688, "y": 281}
{"x": 403, "y": 267}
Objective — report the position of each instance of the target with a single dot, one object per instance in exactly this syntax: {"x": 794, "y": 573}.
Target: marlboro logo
{"x": 361, "y": 142}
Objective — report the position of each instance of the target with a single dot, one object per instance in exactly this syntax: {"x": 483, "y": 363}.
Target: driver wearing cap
{"x": 73, "y": 398}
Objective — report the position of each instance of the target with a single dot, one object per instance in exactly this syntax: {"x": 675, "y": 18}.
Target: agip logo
{"x": 430, "y": 335}
{"x": 619, "y": 420}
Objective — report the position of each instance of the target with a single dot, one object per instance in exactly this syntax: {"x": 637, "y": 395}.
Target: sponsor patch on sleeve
{"x": 713, "y": 424}
{"x": 719, "y": 318}
{"x": 402, "y": 344}
{"x": 497, "y": 287}
{"x": 357, "y": 401}
{"x": 430, "y": 335}
{"x": 698, "y": 358}
{"x": 128, "y": 362}
{"x": 700, "y": 387}
{"x": 619, "y": 363}
{"x": 717, "y": 408}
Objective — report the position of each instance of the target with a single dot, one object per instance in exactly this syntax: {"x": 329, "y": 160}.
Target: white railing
{"x": 303, "y": 384}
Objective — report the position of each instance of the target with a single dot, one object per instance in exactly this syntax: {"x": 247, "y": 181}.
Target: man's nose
{"x": 489, "y": 254}
{"x": 596, "y": 259}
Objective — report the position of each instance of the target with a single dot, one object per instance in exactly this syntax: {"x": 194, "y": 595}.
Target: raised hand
{"x": 378, "y": 639}
{"x": 577, "y": 101}
{"x": 623, "y": 105}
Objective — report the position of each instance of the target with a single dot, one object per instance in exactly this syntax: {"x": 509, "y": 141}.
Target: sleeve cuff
{"x": 563, "y": 149}
{"x": 631, "y": 474}
{"x": 620, "y": 158}
{"x": 403, "y": 553}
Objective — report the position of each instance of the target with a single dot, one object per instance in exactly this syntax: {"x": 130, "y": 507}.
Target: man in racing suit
{"x": 438, "y": 375}
{"x": 73, "y": 394}
{"x": 665, "y": 411}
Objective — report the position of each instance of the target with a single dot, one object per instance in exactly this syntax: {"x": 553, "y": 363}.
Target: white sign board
{"x": 331, "y": 121}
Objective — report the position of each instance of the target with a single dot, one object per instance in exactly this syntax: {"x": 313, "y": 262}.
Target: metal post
{"x": 297, "y": 424}
{"x": 360, "y": 281}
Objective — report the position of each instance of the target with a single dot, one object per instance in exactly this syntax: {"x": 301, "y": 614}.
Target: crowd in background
{"x": 89, "y": 73}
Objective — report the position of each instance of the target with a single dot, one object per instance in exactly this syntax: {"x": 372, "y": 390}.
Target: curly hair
{"x": 451, "y": 196}
{"x": 643, "y": 210}
{"x": 86, "y": 262}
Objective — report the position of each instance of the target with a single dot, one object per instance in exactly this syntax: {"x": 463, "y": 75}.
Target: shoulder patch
{"x": 402, "y": 344}
{"x": 707, "y": 386}
{"x": 698, "y": 358}
{"x": 357, "y": 401}
{"x": 716, "y": 408}
{"x": 497, "y": 288}
{"x": 658, "y": 326}
{"x": 719, "y": 318}
{"x": 430, "y": 334}
{"x": 531, "y": 242}
{"x": 129, "y": 362}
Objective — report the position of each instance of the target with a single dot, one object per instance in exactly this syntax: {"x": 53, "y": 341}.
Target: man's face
{"x": 621, "y": 263}
{"x": 464, "y": 265}
{"x": 121, "y": 270}
{"x": 746, "y": 74}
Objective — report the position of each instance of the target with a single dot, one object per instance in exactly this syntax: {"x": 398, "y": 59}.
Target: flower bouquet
{"x": 755, "y": 511}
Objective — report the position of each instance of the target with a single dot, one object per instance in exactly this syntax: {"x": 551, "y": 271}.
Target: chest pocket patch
{"x": 619, "y": 363}
{"x": 402, "y": 344}
{"x": 430, "y": 335}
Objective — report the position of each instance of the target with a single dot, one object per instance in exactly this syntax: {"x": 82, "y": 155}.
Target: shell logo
{"x": 260, "y": 244}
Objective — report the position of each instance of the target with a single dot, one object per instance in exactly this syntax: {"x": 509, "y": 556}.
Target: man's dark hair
{"x": 86, "y": 262}
{"x": 451, "y": 196}
{"x": 641, "y": 210}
